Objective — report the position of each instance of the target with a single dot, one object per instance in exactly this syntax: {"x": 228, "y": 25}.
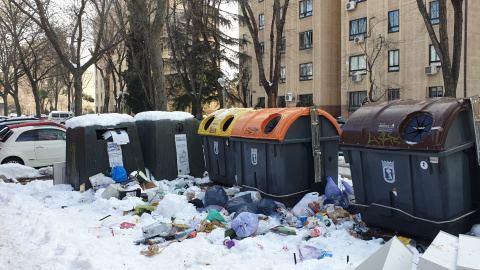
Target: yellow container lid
{"x": 220, "y": 123}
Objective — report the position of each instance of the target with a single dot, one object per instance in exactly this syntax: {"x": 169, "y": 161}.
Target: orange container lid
{"x": 272, "y": 123}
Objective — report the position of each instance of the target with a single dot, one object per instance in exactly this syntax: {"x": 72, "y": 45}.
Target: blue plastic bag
{"x": 119, "y": 174}
{"x": 332, "y": 190}
{"x": 245, "y": 224}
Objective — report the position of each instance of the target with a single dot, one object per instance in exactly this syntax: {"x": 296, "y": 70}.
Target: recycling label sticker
{"x": 182, "y": 154}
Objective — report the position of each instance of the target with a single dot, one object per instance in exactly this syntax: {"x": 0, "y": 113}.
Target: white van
{"x": 57, "y": 116}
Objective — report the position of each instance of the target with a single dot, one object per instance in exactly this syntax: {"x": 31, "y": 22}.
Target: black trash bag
{"x": 234, "y": 204}
{"x": 197, "y": 203}
{"x": 216, "y": 195}
{"x": 248, "y": 207}
{"x": 266, "y": 206}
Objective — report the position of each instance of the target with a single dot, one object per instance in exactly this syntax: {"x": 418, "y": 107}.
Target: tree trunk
{"x": 450, "y": 67}
{"x": 106, "y": 82}
{"x": 77, "y": 86}
{"x": 160, "y": 96}
{"x": 5, "y": 104}
{"x": 36, "y": 97}
{"x": 197, "y": 110}
{"x": 272, "y": 99}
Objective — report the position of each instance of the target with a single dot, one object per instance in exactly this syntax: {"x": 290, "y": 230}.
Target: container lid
{"x": 403, "y": 124}
{"x": 220, "y": 123}
{"x": 272, "y": 123}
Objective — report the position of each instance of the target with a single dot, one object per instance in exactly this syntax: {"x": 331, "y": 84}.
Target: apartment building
{"x": 310, "y": 71}
{"x": 391, "y": 36}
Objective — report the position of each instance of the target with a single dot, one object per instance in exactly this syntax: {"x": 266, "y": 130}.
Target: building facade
{"x": 310, "y": 55}
{"x": 386, "y": 49}
{"x": 337, "y": 52}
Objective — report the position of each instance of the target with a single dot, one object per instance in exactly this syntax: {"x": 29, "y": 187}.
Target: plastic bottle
{"x": 182, "y": 234}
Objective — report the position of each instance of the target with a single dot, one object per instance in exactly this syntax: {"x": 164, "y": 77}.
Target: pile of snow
{"x": 14, "y": 171}
{"x": 54, "y": 227}
{"x": 108, "y": 119}
{"x": 159, "y": 115}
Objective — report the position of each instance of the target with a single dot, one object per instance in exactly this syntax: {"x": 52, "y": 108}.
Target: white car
{"x": 34, "y": 146}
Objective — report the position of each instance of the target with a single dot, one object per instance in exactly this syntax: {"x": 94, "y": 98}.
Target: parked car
{"x": 63, "y": 121}
{"x": 34, "y": 144}
{"x": 12, "y": 121}
{"x": 57, "y": 116}
{"x": 5, "y": 128}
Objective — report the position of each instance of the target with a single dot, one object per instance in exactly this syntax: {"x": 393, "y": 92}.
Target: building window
{"x": 305, "y": 100}
{"x": 284, "y": 45}
{"x": 306, "y": 71}
{"x": 306, "y": 8}
{"x": 358, "y": 28}
{"x": 262, "y": 49}
{"x": 393, "y": 21}
{"x": 306, "y": 40}
{"x": 358, "y": 1}
{"x": 356, "y": 99}
{"x": 393, "y": 63}
{"x": 435, "y": 91}
{"x": 393, "y": 94}
{"x": 281, "y": 13}
{"x": 283, "y": 74}
{"x": 434, "y": 58}
{"x": 358, "y": 64}
{"x": 261, "y": 21}
{"x": 261, "y": 102}
{"x": 434, "y": 12}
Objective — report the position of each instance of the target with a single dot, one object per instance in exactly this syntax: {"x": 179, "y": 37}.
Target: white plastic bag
{"x": 302, "y": 207}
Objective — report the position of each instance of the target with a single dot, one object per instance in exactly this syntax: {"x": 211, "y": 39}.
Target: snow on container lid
{"x": 272, "y": 123}
{"x": 220, "y": 123}
{"x": 161, "y": 115}
{"x": 404, "y": 124}
{"x": 107, "y": 119}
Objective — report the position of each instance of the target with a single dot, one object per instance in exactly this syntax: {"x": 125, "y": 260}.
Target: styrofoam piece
{"x": 394, "y": 255}
{"x": 441, "y": 254}
{"x": 59, "y": 173}
{"x": 468, "y": 253}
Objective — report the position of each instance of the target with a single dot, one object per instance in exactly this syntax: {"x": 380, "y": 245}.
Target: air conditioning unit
{"x": 357, "y": 78}
{"x": 431, "y": 70}
{"x": 352, "y": 5}
{"x": 359, "y": 39}
{"x": 289, "y": 97}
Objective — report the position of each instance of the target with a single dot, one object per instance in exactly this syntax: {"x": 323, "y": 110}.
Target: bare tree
{"x": 450, "y": 64}
{"x": 11, "y": 70}
{"x": 270, "y": 84}
{"x": 146, "y": 21}
{"x": 32, "y": 47}
{"x": 88, "y": 19}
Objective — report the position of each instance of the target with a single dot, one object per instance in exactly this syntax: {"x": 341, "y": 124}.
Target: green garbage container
{"x": 413, "y": 165}
{"x": 90, "y": 153}
{"x": 215, "y": 132}
{"x": 170, "y": 144}
{"x": 273, "y": 152}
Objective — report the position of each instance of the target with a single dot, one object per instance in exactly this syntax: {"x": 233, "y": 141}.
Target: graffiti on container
{"x": 383, "y": 139}
{"x": 250, "y": 130}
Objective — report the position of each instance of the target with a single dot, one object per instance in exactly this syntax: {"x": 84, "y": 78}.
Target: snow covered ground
{"x": 53, "y": 227}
